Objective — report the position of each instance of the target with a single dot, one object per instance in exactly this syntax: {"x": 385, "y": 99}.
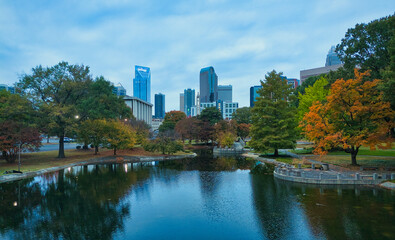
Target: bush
{"x": 78, "y": 147}
{"x": 163, "y": 145}
{"x": 266, "y": 168}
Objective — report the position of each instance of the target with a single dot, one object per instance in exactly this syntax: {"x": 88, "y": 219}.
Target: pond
{"x": 203, "y": 198}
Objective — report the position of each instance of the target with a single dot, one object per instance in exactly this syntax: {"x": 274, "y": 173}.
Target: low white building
{"x": 141, "y": 110}
{"x": 228, "y": 109}
{"x": 156, "y": 122}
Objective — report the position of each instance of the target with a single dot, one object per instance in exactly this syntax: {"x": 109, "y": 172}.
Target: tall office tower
{"x": 182, "y": 102}
{"x": 254, "y": 94}
{"x": 119, "y": 90}
{"x": 225, "y": 93}
{"x": 189, "y": 101}
{"x": 208, "y": 85}
{"x": 332, "y": 58}
{"x": 142, "y": 83}
{"x": 159, "y": 105}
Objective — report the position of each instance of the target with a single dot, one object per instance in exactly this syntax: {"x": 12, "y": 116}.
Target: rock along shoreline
{"x": 99, "y": 160}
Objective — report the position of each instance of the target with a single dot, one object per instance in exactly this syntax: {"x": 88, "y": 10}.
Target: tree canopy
{"x": 57, "y": 91}
{"x": 242, "y": 115}
{"x": 273, "y": 116}
{"x": 211, "y": 115}
{"x": 354, "y": 115}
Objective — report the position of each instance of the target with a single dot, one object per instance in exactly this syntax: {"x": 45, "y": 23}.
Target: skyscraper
{"x": 208, "y": 85}
{"x": 225, "y": 93}
{"x": 189, "y": 101}
{"x": 119, "y": 90}
{"x": 142, "y": 83}
{"x": 332, "y": 58}
{"x": 254, "y": 94}
{"x": 159, "y": 105}
{"x": 182, "y": 102}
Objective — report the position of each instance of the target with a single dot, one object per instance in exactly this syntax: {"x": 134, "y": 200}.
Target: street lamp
{"x": 19, "y": 158}
{"x": 77, "y": 117}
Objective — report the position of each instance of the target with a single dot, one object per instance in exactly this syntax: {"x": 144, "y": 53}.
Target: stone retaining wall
{"x": 329, "y": 177}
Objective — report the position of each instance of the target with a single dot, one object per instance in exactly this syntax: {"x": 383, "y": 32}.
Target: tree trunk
{"x": 96, "y": 149}
{"x": 61, "y": 147}
{"x": 47, "y": 138}
{"x": 276, "y": 152}
{"x": 115, "y": 151}
{"x": 354, "y": 152}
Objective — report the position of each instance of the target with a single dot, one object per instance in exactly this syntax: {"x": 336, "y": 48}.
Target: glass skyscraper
{"x": 208, "y": 85}
{"x": 254, "y": 94}
{"x": 332, "y": 58}
{"x": 189, "y": 101}
{"x": 159, "y": 105}
{"x": 142, "y": 83}
{"x": 225, "y": 93}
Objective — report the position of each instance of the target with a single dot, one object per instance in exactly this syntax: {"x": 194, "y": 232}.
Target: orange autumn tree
{"x": 353, "y": 115}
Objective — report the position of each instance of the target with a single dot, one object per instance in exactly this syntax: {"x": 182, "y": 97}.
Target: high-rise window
{"x": 159, "y": 105}
{"x": 208, "y": 85}
{"x": 142, "y": 83}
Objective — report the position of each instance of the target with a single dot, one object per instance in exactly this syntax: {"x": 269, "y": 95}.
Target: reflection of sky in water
{"x": 210, "y": 199}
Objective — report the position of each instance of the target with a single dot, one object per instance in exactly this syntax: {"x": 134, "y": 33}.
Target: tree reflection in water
{"x": 80, "y": 204}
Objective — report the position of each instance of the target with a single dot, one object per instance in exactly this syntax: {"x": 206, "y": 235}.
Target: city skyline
{"x": 246, "y": 39}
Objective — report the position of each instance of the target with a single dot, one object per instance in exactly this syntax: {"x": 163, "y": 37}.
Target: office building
{"x": 141, "y": 110}
{"x": 142, "y": 83}
{"x": 182, "y": 102}
{"x": 293, "y": 82}
{"x": 228, "y": 108}
{"x": 156, "y": 122}
{"x": 159, "y": 105}
{"x": 304, "y": 74}
{"x": 189, "y": 101}
{"x": 225, "y": 93}
{"x": 119, "y": 90}
{"x": 7, "y": 88}
{"x": 208, "y": 85}
{"x": 332, "y": 58}
{"x": 254, "y": 94}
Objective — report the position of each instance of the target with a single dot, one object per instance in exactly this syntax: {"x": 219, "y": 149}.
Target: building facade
{"x": 189, "y": 101}
{"x": 304, "y": 74}
{"x": 141, "y": 110}
{"x": 156, "y": 122}
{"x": 182, "y": 101}
{"x": 119, "y": 90}
{"x": 228, "y": 109}
{"x": 293, "y": 82}
{"x": 208, "y": 85}
{"x": 142, "y": 83}
{"x": 332, "y": 58}
{"x": 254, "y": 94}
{"x": 7, "y": 88}
{"x": 225, "y": 93}
{"x": 159, "y": 105}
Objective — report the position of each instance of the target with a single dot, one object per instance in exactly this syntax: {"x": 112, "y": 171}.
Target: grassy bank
{"x": 41, "y": 160}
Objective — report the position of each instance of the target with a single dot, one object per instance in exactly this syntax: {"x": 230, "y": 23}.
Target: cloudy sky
{"x": 242, "y": 40}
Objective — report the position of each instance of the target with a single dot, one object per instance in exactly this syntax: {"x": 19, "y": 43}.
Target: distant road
{"x": 55, "y": 145}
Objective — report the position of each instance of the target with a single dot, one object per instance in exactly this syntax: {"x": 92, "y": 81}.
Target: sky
{"x": 242, "y": 40}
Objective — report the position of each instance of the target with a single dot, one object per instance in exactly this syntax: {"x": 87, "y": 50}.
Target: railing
{"x": 330, "y": 177}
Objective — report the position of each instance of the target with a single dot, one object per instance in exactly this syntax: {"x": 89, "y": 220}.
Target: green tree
{"x": 388, "y": 84}
{"x": 273, "y": 117}
{"x": 211, "y": 115}
{"x": 101, "y": 103}
{"x": 57, "y": 90}
{"x": 242, "y": 115}
{"x": 93, "y": 132}
{"x": 317, "y": 92}
{"x": 170, "y": 120}
{"x": 119, "y": 135}
{"x": 18, "y": 126}
{"x": 366, "y": 46}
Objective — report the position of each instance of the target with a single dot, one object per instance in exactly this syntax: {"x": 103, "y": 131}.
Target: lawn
{"x": 363, "y": 160}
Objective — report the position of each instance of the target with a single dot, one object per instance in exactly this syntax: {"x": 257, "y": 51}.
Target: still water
{"x": 201, "y": 198}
